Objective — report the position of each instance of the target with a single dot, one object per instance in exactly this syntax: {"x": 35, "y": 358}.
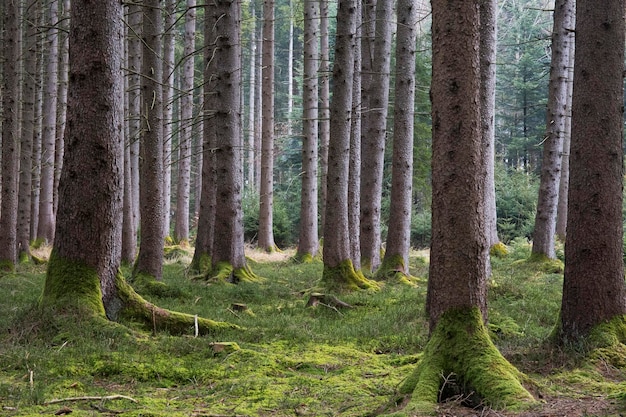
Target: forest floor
{"x": 287, "y": 359}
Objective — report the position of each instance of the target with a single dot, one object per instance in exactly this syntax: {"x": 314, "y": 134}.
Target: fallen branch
{"x": 90, "y": 398}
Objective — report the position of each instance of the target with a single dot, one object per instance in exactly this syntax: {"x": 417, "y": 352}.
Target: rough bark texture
{"x": 593, "y": 288}
{"x": 36, "y": 179}
{"x": 396, "y": 258}
{"x": 266, "y": 233}
{"x": 45, "y": 228}
{"x": 86, "y": 252}
{"x": 181, "y": 226}
{"x": 150, "y": 259}
{"x": 373, "y": 142}
{"x": 224, "y": 107}
{"x": 339, "y": 273}
{"x": 308, "y": 242}
{"x": 459, "y": 249}
{"x": 544, "y": 234}
{"x": 10, "y": 143}
{"x": 251, "y": 179}
{"x": 488, "y": 35}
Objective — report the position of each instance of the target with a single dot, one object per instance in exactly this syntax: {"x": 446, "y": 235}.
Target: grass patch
{"x": 292, "y": 360}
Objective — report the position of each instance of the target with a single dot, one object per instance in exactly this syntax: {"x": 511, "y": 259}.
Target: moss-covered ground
{"x": 286, "y": 359}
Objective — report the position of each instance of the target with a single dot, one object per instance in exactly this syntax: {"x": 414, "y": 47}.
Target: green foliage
{"x": 286, "y": 216}
{"x": 516, "y": 202}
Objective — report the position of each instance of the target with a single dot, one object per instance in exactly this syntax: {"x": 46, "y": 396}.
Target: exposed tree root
{"x": 344, "y": 278}
{"x": 461, "y": 359}
{"x": 157, "y": 318}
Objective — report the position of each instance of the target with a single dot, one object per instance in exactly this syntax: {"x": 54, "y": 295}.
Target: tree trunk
{"x": 324, "y": 108}
{"x": 266, "y": 233}
{"x": 544, "y": 234}
{"x": 593, "y": 287}
{"x": 150, "y": 259}
{"x": 169, "y": 65}
{"x": 252, "y": 100}
{"x": 222, "y": 30}
{"x": 459, "y": 343}
{"x": 45, "y": 229}
{"x": 373, "y": 143}
{"x": 488, "y": 40}
{"x": 339, "y": 273}
{"x": 181, "y": 227}
{"x": 29, "y": 94}
{"x": 36, "y": 179}
{"x": 354, "y": 171}
{"x": 308, "y": 244}
{"x": 396, "y": 260}
{"x": 10, "y": 143}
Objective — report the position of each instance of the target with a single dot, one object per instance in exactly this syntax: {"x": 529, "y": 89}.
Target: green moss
{"x": 545, "y": 264}
{"x": 499, "y": 250}
{"x": 460, "y": 349}
{"x": 147, "y": 284}
{"x": 7, "y": 265}
{"x": 224, "y": 272}
{"x": 200, "y": 264}
{"x": 176, "y": 251}
{"x": 72, "y": 285}
{"x": 303, "y": 258}
{"x": 344, "y": 278}
{"x": 393, "y": 269}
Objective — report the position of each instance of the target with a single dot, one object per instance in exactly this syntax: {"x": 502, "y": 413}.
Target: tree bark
{"x": 396, "y": 260}
{"x": 308, "y": 242}
{"x": 169, "y": 65}
{"x": 593, "y": 287}
{"x": 544, "y": 234}
{"x": 181, "y": 227}
{"x": 373, "y": 142}
{"x": 266, "y": 233}
{"x": 324, "y": 108}
{"x": 150, "y": 259}
{"x": 45, "y": 230}
{"x": 10, "y": 143}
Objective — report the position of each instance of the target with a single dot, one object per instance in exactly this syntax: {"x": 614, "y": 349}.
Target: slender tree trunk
{"x": 252, "y": 99}
{"x": 64, "y": 24}
{"x": 10, "y": 143}
{"x": 544, "y": 234}
{"x": 266, "y": 233}
{"x": 150, "y": 259}
{"x": 169, "y": 44}
{"x": 339, "y": 271}
{"x": 561, "y": 217}
{"x": 29, "y": 94}
{"x": 308, "y": 244}
{"x": 354, "y": 173}
{"x": 324, "y": 108}
{"x": 488, "y": 47}
{"x": 373, "y": 144}
{"x": 36, "y": 171}
{"x": 181, "y": 228}
{"x": 396, "y": 258}
{"x": 135, "y": 18}
{"x": 290, "y": 79}
{"x": 45, "y": 228}
{"x": 594, "y": 245}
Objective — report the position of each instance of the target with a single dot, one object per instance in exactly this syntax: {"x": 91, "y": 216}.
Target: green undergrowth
{"x": 289, "y": 359}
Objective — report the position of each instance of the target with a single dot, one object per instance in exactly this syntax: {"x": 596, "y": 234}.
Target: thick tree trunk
{"x": 308, "y": 244}
{"x": 266, "y": 233}
{"x": 222, "y": 30}
{"x": 45, "y": 228}
{"x": 150, "y": 259}
{"x": 373, "y": 143}
{"x": 396, "y": 260}
{"x": 339, "y": 273}
{"x": 456, "y": 299}
{"x": 593, "y": 287}
{"x": 181, "y": 226}
{"x": 10, "y": 143}
{"x": 544, "y": 234}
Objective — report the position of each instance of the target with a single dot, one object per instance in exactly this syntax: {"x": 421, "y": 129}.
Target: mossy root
{"x": 343, "y": 278}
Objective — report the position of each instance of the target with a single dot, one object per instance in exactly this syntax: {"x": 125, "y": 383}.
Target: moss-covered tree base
{"x": 460, "y": 359}
{"x": 343, "y": 278}
{"x": 393, "y": 270}
{"x": 200, "y": 266}
{"x": 148, "y": 285}
{"x": 543, "y": 263}
{"x": 303, "y": 258}
{"x": 224, "y": 272}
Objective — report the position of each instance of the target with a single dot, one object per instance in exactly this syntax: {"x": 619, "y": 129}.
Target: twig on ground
{"x": 90, "y": 398}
